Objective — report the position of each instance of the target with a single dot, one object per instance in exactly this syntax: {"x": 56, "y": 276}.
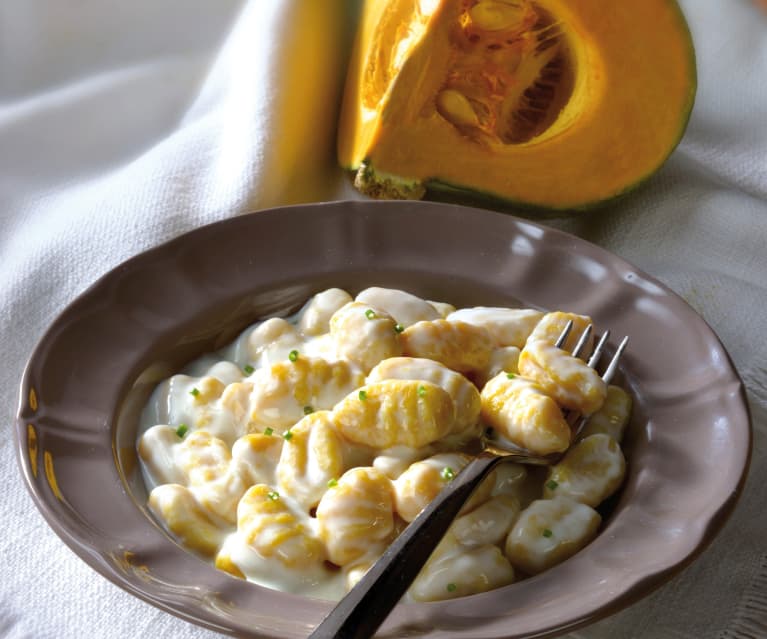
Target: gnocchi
{"x": 364, "y": 335}
{"x": 356, "y": 514}
{"x": 176, "y": 506}
{"x": 315, "y": 317}
{"x": 549, "y": 531}
{"x": 506, "y": 326}
{"x": 552, "y": 324}
{"x": 421, "y": 482}
{"x": 612, "y": 418}
{"x": 454, "y": 571}
{"x": 268, "y": 524}
{"x": 406, "y": 307}
{"x": 465, "y": 396}
{"x": 395, "y": 412}
{"x": 296, "y": 454}
{"x": 567, "y": 379}
{"x": 590, "y": 472}
{"x": 458, "y": 345}
{"x": 522, "y": 412}
{"x": 310, "y": 459}
{"x": 272, "y": 340}
{"x": 284, "y": 391}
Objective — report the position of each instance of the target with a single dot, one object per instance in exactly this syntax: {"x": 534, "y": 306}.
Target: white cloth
{"x": 123, "y": 124}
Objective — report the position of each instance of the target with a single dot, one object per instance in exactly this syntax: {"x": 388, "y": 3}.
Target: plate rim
{"x": 635, "y": 592}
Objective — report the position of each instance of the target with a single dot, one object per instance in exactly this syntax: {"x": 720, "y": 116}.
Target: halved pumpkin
{"x": 558, "y": 104}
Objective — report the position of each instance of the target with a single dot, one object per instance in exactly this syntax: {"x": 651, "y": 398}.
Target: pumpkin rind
{"x": 630, "y": 85}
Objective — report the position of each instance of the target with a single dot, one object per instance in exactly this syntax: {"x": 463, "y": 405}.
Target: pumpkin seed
{"x": 455, "y": 107}
{"x": 493, "y": 15}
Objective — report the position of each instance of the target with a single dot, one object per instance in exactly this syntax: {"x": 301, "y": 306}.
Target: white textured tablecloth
{"x": 123, "y": 124}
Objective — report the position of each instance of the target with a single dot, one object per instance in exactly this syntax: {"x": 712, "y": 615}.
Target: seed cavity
{"x": 510, "y": 72}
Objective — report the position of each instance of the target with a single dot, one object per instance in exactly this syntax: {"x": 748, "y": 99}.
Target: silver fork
{"x": 577, "y": 422}
{"x": 364, "y": 608}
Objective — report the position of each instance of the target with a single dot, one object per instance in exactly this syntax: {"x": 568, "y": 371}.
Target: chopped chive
{"x": 268, "y": 431}
{"x": 362, "y": 395}
{"x": 551, "y": 484}
{"x": 308, "y": 410}
{"x": 421, "y": 391}
{"x": 248, "y": 369}
{"x": 182, "y": 430}
{"x": 287, "y": 435}
{"x": 194, "y": 392}
{"x": 451, "y": 587}
{"x": 370, "y": 313}
{"x": 398, "y": 328}
{"x": 332, "y": 483}
{"x": 510, "y": 375}
{"x": 293, "y": 355}
{"x": 547, "y": 532}
{"x": 447, "y": 473}
{"x": 273, "y": 495}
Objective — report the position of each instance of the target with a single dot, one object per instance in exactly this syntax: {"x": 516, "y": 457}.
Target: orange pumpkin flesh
{"x": 558, "y": 104}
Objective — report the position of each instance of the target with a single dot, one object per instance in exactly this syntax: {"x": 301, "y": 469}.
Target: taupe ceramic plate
{"x": 688, "y": 443}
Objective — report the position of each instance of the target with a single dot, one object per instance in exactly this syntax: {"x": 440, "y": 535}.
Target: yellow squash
{"x": 557, "y": 104}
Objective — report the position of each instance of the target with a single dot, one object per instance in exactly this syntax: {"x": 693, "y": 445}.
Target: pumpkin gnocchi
{"x": 296, "y": 454}
{"x": 566, "y": 379}
{"x": 521, "y": 411}
{"x": 355, "y": 514}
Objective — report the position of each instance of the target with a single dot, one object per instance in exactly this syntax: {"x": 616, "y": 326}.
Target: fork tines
{"x": 592, "y": 362}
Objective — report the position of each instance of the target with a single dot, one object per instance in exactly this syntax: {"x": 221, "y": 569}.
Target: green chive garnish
{"x": 421, "y": 391}
{"x": 248, "y": 369}
{"x": 362, "y": 395}
{"x": 268, "y": 431}
{"x": 273, "y": 495}
{"x": 551, "y": 484}
{"x": 547, "y": 532}
{"x": 194, "y": 392}
{"x": 451, "y": 587}
{"x": 308, "y": 410}
{"x": 370, "y": 313}
{"x": 181, "y": 430}
{"x": 293, "y": 355}
{"x": 398, "y": 328}
{"x": 510, "y": 375}
{"x": 447, "y": 473}
{"x": 287, "y": 435}
{"x": 332, "y": 483}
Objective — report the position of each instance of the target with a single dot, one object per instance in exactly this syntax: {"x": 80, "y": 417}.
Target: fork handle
{"x": 365, "y": 607}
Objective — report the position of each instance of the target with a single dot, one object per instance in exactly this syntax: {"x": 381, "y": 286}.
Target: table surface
{"x": 125, "y": 124}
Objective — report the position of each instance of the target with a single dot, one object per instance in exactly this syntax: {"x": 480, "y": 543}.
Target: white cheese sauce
{"x": 212, "y": 451}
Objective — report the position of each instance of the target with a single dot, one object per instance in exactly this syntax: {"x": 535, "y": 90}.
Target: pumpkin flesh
{"x": 554, "y": 104}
